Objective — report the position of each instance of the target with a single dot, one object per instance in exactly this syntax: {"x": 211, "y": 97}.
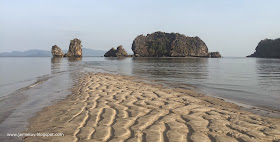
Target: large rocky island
{"x": 161, "y": 44}
{"x": 267, "y": 48}
{"x": 75, "y": 49}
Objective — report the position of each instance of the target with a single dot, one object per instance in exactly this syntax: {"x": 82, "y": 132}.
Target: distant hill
{"x": 45, "y": 53}
{"x": 29, "y": 53}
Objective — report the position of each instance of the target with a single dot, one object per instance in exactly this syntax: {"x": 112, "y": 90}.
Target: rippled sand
{"x": 107, "y": 107}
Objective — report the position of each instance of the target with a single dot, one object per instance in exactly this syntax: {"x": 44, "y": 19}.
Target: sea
{"x": 28, "y": 84}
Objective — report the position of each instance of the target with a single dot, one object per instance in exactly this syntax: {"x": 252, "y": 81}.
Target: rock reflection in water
{"x": 56, "y": 66}
{"x": 74, "y": 59}
{"x": 121, "y": 65}
{"x": 185, "y": 68}
{"x": 268, "y": 74}
{"x": 59, "y": 65}
{"x": 116, "y": 58}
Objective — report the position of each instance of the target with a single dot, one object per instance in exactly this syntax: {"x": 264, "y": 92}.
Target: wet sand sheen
{"x": 106, "y": 107}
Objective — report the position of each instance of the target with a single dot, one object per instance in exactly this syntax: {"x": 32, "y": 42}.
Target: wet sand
{"x": 106, "y": 107}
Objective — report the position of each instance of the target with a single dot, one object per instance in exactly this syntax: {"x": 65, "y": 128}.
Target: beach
{"x": 139, "y": 71}
{"x": 108, "y": 107}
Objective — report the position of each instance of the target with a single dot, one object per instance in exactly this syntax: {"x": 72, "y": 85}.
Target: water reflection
{"x": 121, "y": 65}
{"x": 268, "y": 71}
{"x": 55, "y": 60}
{"x": 185, "y": 68}
{"x": 116, "y": 58}
{"x": 59, "y": 65}
{"x": 56, "y": 65}
{"x": 75, "y": 59}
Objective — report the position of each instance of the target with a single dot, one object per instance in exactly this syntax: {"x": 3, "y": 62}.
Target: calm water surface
{"x": 29, "y": 84}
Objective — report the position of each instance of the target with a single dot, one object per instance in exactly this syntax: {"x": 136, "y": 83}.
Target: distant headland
{"x": 267, "y": 48}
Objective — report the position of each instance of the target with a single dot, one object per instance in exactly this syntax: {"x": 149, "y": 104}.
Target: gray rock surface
{"x": 161, "y": 44}
{"x": 56, "y": 51}
{"x": 215, "y": 55}
{"x": 119, "y": 52}
{"x": 75, "y": 48}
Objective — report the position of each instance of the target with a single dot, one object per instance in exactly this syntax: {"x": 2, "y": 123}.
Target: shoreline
{"x": 24, "y": 103}
{"x": 106, "y": 107}
{"x": 259, "y": 110}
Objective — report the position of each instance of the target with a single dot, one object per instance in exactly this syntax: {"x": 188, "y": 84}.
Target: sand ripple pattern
{"x": 116, "y": 108}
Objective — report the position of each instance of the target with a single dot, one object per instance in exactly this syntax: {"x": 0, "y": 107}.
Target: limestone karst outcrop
{"x": 161, "y": 44}
{"x": 214, "y": 55}
{"x": 75, "y": 48}
{"x": 267, "y": 48}
{"x": 110, "y": 53}
{"x": 57, "y": 52}
{"x": 119, "y": 52}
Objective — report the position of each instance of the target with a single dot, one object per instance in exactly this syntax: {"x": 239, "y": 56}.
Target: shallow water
{"x": 45, "y": 82}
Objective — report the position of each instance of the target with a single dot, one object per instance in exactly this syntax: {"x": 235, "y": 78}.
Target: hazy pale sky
{"x": 233, "y": 27}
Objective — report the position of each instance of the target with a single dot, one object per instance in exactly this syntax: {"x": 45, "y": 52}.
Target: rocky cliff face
{"x": 215, "y": 55}
{"x": 267, "y": 48}
{"x": 56, "y": 51}
{"x": 120, "y": 52}
{"x": 160, "y": 44}
{"x": 110, "y": 53}
{"x": 75, "y": 48}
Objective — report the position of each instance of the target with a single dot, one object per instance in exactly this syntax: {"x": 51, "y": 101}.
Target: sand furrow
{"x": 113, "y": 121}
{"x": 164, "y": 133}
{"x": 82, "y": 109}
{"x": 96, "y": 114}
{"x": 133, "y": 122}
{"x": 81, "y": 125}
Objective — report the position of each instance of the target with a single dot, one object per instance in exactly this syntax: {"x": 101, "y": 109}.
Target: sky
{"x": 232, "y": 27}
